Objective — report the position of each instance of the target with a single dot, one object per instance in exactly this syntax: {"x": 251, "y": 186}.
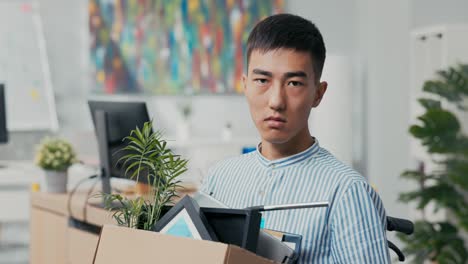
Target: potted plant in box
{"x": 149, "y": 157}
{"x": 55, "y": 156}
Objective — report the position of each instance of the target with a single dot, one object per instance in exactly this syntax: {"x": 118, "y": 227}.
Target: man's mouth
{"x": 276, "y": 119}
{"x": 275, "y": 122}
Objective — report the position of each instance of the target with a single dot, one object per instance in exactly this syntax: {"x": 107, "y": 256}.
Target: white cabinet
{"x": 15, "y": 181}
{"x": 432, "y": 49}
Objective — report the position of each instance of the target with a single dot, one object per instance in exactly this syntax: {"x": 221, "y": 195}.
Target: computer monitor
{"x": 113, "y": 121}
{"x": 3, "y": 119}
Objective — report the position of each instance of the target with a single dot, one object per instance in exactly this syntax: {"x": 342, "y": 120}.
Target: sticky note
{"x": 26, "y": 7}
{"x": 34, "y": 93}
{"x": 35, "y": 187}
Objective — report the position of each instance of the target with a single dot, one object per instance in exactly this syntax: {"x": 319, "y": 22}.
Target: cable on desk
{"x": 85, "y": 209}
{"x": 74, "y": 190}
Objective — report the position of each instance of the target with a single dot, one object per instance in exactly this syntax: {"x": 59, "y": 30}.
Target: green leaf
{"x": 430, "y": 103}
{"x": 436, "y": 241}
{"x": 442, "y": 193}
{"x": 149, "y": 156}
{"x": 414, "y": 175}
{"x": 457, "y": 171}
{"x": 439, "y": 131}
{"x": 441, "y": 89}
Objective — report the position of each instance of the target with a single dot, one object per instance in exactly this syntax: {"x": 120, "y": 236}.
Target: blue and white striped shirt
{"x": 351, "y": 230}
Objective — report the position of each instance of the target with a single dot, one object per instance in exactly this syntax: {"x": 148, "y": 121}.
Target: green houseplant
{"x": 446, "y": 186}
{"x": 150, "y": 157}
{"x": 55, "y": 156}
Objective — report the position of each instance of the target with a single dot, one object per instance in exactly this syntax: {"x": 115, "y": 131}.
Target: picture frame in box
{"x": 185, "y": 219}
{"x": 238, "y": 227}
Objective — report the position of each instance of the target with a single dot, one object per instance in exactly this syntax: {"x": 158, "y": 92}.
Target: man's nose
{"x": 277, "y": 98}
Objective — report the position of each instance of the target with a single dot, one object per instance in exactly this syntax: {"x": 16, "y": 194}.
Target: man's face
{"x": 281, "y": 89}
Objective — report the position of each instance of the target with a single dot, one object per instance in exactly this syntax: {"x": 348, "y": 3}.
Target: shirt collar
{"x": 311, "y": 151}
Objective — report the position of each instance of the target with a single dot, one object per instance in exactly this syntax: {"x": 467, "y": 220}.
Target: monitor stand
{"x": 104, "y": 155}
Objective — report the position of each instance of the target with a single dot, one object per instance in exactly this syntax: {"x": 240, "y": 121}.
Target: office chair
{"x": 399, "y": 225}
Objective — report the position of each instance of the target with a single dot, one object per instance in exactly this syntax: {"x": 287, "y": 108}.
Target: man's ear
{"x": 244, "y": 82}
{"x": 321, "y": 89}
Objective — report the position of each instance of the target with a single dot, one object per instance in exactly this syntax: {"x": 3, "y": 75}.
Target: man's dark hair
{"x": 289, "y": 32}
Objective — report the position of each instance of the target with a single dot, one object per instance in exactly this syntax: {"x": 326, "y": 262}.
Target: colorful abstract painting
{"x": 172, "y": 46}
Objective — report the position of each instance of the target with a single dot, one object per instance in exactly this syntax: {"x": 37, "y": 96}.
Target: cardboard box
{"x": 120, "y": 245}
{"x": 81, "y": 246}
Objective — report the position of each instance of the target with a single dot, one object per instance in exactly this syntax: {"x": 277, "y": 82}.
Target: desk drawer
{"x": 48, "y": 238}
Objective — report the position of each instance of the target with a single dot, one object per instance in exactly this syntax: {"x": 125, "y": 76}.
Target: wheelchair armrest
{"x": 400, "y": 225}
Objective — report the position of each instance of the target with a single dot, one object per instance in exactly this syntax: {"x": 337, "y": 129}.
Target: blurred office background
{"x": 363, "y": 119}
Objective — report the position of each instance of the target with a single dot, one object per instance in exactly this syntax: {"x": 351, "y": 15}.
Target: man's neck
{"x": 273, "y": 151}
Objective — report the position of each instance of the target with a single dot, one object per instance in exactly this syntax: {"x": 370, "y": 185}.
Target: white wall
{"x": 383, "y": 32}
{"x": 334, "y": 18}
{"x": 332, "y": 121}
{"x": 66, "y": 31}
{"x": 431, "y": 12}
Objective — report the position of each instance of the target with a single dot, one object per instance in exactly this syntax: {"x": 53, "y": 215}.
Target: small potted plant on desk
{"x": 55, "y": 156}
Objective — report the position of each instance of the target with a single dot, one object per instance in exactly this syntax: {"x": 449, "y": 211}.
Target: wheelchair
{"x": 399, "y": 225}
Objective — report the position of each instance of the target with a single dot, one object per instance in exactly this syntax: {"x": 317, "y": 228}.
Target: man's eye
{"x": 261, "y": 81}
{"x": 295, "y": 83}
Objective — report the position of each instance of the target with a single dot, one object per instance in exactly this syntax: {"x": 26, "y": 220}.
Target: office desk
{"x": 53, "y": 241}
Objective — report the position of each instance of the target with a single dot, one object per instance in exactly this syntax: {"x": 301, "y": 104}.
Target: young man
{"x": 285, "y": 56}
